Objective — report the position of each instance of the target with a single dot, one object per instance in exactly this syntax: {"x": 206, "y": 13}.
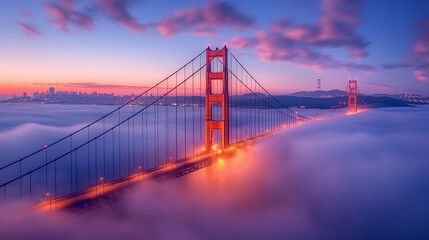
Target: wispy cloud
{"x": 201, "y": 20}
{"x": 26, "y": 13}
{"x": 28, "y": 30}
{"x": 64, "y": 13}
{"x": 117, "y": 10}
{"x": 418, "y": 58}
{"x": 420, "y": 53}
{"x": 91, "y": 85}
{"x": 301, "y": 44}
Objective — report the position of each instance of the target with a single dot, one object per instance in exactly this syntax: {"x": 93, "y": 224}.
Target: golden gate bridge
{"x": 202, "y": 111}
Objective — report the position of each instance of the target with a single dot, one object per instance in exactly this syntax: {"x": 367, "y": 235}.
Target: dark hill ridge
{"x": 320, "y": 99}
{"x": 303, "y": 99}
{"x": 338, "y": 102}
{"x": 319, "y": 94}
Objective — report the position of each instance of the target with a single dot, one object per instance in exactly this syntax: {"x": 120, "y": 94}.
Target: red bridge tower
{"x": 353, "y": 95}
{"x": 212, "y": 125}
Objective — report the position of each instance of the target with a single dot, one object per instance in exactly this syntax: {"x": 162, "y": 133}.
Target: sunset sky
{"x": 121, "y": 46}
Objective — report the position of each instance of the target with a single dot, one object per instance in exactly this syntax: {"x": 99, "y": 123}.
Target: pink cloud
{"x": 68, "y": 4}
{"x": 300, "y": 44}
{"x": 274, "y": 47}
{"x": 26, "y": 13}
{"x": 421, "y": 74}
{"x": 335, "y": 28}
{"x": 203, "y": 31}
{"x": 419, "y": 55}
{"x": 117, "y": 10}
{"x": 64, "y": 14}
{"x": 421, "y": 47}
{"x": 212, "y": 14}
{"x": 28, "y": 30}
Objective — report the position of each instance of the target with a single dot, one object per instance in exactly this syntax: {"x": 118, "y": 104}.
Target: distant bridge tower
{"x": 352, "y": 95}
{"x": 212, "y": 125}
{"x": 318, "y": 84}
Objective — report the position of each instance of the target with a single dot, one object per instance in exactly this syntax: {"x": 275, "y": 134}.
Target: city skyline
{"x": 335, "y": 40}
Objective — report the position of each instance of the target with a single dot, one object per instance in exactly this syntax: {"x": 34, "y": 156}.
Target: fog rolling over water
{"x": 130, "y": 140}
{"x": 361, "y": 176}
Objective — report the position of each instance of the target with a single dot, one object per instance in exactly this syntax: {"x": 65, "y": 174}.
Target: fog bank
{"x": 362, "y": 176}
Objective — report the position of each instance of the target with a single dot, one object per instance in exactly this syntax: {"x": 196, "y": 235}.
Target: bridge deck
{"x": 111, "y": 191}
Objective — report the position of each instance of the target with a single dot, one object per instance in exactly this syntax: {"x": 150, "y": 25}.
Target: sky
{"x": 276, "y": 189}
{"x": 121, "y": 46}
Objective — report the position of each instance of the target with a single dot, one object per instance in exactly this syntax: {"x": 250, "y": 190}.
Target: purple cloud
{"x": 64, "y": 13}
{"x": 197, "y": 19}
{"x": 419, "y": 55}
{"x": 28, "y": 30}
{"x": 117, "y": 10}
{"x": 26, "y": 13}
{"x": 275, "y": 47}
{"x": 203, "y": 31}
{"x": 300, "y": 43}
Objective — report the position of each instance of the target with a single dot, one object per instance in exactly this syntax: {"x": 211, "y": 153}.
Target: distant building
{"x": 24, "y": 95}
{"x": 36, "y": 94}
{"x": 51, "y": 91}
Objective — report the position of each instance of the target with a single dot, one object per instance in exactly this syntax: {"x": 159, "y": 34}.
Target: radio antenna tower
{"x": 318, "y": 84}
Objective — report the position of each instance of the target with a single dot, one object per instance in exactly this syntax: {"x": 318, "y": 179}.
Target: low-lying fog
{"x": 361, "y": 176}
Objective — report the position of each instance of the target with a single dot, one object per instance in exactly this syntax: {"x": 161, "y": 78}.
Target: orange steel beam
{"x": 210, "y": 124}
{"x": 353, "y": 95}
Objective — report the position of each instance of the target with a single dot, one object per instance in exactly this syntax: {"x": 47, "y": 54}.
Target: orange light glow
{"x": 358, "y": 111}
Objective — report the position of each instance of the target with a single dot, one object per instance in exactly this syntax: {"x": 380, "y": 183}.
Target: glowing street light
{"x": 140, "y": 170}
{"x": 101, "y": 181}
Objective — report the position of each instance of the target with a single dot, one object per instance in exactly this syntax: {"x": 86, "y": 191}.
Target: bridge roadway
{"x": 109, "y": 192}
